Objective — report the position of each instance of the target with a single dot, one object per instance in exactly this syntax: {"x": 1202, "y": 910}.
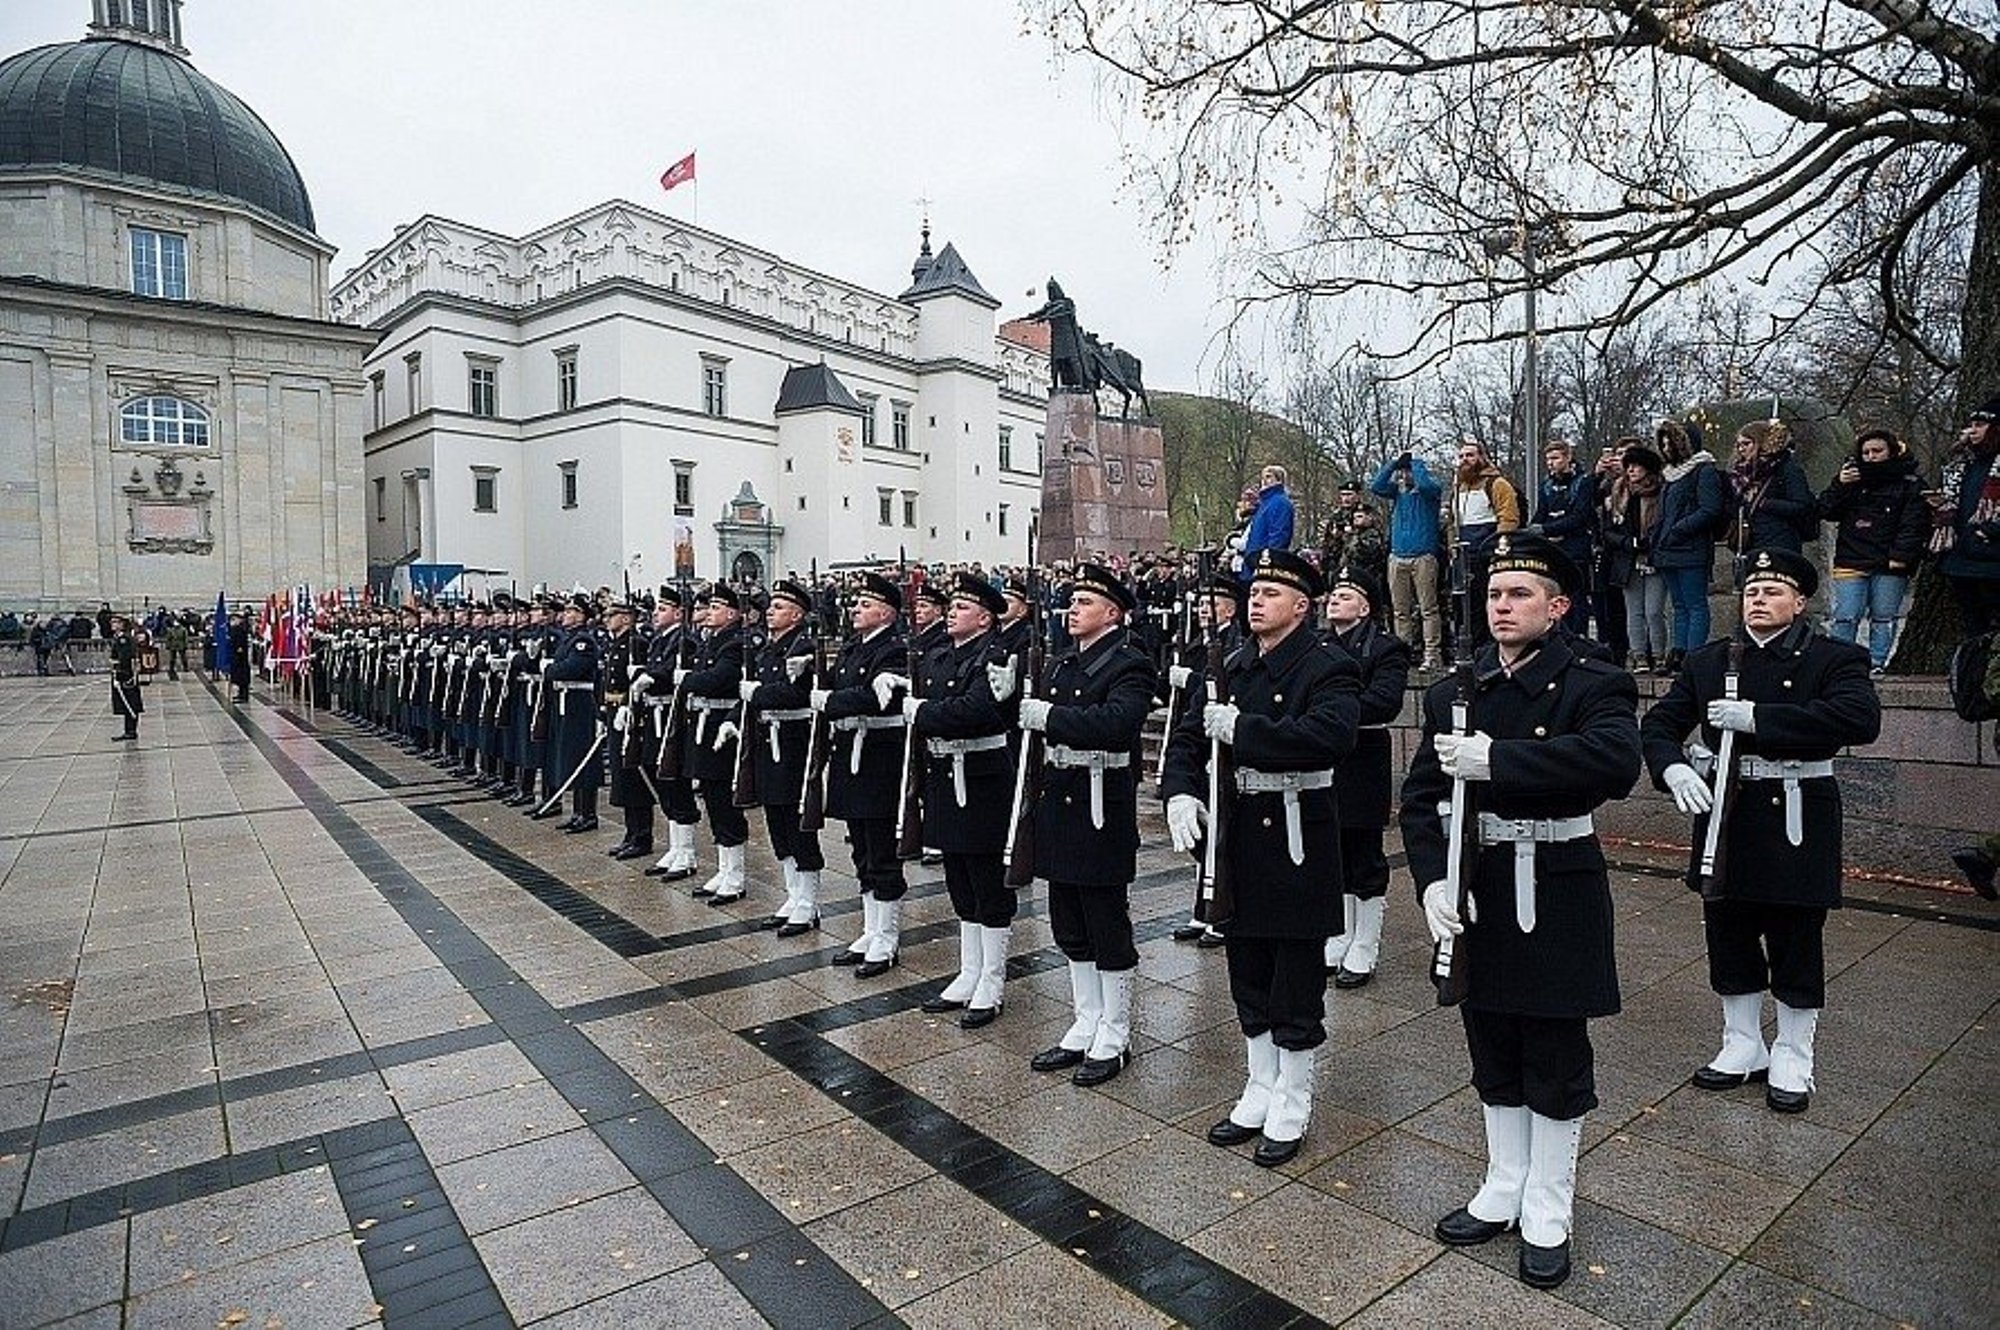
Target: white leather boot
{"x": 1364, "y": 934}
{"x": 959, "y": 991}
{"x": 987, "y": 994}
{"x": 1549, "y": 1199}
{"x": 1291, "y": 1107}
{"x": 727, "y": 884}
{"x": 1509, "y": 1140}
{"x": 1336, "y": 947}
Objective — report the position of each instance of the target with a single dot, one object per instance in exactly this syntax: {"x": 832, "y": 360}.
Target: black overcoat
{"x": 1102, "y": 696}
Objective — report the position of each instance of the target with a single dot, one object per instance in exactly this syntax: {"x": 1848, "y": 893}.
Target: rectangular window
{"x": 899, "y": 426}
{"x": 714, "y": 386}
{"x": 1038, "y": 450}
{"x": 868, "y": 420}
{"x": 885, "y": 507}
{"x": 413, "y": 379}
{"x": 1003, "y": 519}
{"x": 484, "y": 389}
{"x": 909, "y": 508}
{"x": 568, "y": 470}
{"x": 485, "y": 489}
{"x": 381, "y": 498}
{"x": 1006, "y": 448}
{"x": 378, "y": 397}
{"x": 684, "y": 489}
{"x": 566, "y": 381}
{"x": 159, "y": 264}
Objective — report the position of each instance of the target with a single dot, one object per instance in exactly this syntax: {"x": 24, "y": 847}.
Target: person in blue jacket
{"x": 1413, "y": 495}
{"x": 1692, "y": 509}
{"x": 1271, "y": 524}
{"x": 1565, "y": 508}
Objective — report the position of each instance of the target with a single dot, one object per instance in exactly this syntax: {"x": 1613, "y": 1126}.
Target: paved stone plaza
{"x": 298, "y": 1033}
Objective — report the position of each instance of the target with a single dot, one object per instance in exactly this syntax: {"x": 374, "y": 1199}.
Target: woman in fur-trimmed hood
{"x": 1693, "y": 507}
{"x": 1774, "y": 503}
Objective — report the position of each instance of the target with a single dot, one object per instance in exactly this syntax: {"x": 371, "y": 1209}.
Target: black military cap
{"x": 1772, "y": 565}
{"x": 1101, "y": 581}
{"x": 1361, "y": 581}
{"x": 1350, "y": 487}
{"x": 1518, "y": 553}
{"x": 877, "y": 587}
{"x": 724, "y": 594}
{"x": 503, "y": 602}
{"x": 667, "y": 596}
{"x": 621, "y": 607}
{"x": 980, "y": 592}
{"x": 1287, "y": 569}
{"x": 1017, "y": 587}
{"x": 581, "y": 602}
{"x": 935, "y": 594}
{"x": 786, "y": 589}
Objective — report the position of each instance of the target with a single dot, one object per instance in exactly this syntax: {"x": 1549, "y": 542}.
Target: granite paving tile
{"x": 1260, "y": 1243}
{"x": 827, "y": 1169}
{"x": 1039, "y": 1286}
{"x": 1461, "y": 1292}
{"x": 1176, "y": 1183}
{"x": 697, "y": 1295}
{"x": 555, "y": 1261}
{"x": 195, "y": 1237}
{"x": 505, "y": 1186}
{"x": 416, "y": 1086}
{"x": 1713, "y": 1203}
{"x": 1749, "y": 1297}
{"x": 492, "y": 1121}
{"x": 754, "y": 1113}
{"x": 62, "y": 1277}
{"x": 1940, "y": 1275}
{"x": 910, "y": 1242}
{"x": 1063, "y": 1127}
{"x": 317, "y": 1286}
{"x": 123, "y": 1154}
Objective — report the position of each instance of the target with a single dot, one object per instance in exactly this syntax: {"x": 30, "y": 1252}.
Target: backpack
{"x": 1967, "y": 676}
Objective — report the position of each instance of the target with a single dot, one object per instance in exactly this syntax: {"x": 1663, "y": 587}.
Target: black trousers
{"x": 677, "y": 798}
{"x": 726, "y": 821}
{"x": 1095, "y": 924}
{"x": 873, "y": 842}
{"x": 1541, "y": 1062}
{"x": 1279, "y": 988}
{"x": 1978, "y": 603}
{"x": 1364, "y": 869}
{"x": 979, "y": 890}
{"x": 639, "y": 824}
{"x": 788, "y": 842}
{"x": 1753, "y": 946}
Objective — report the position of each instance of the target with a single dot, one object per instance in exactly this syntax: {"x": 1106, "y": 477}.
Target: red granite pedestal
{"x": 1104, "y": 489}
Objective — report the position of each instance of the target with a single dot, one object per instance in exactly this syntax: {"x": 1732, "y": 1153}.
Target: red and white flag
{"x": 679, "y": 173}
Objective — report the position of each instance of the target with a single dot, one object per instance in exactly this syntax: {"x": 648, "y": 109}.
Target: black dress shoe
{"x": 702, "y": 892}
{"x": 1228, "y": 1134}
{"x": 617, "y": 849}
{"x": 930, "y": 860}
{"x": 1462, "y": 1228}
{"x": 1270, "y": 1153}
{"x": 1096, "y": 1071}
{"x": 847, "y": 958}
{"x": 940, "y": 1004}
{"x": 1209, "y": 941}
{"x": 869, "y": 969}
{"x": 798, "y": 930}
{"x": 1544, "y": 1267}
{"x": 672, "y": 874}
{"x": 770, "y": 923}
{"x": 580, "y": 824}
{"x": 978, "y": 1018}
{"x": 1189, "y": 932}
{"x": 1980, "y": 871}
{"x": 542, "y": 814}
{"x": 716, "y": 900}
{"x": 633, "y": 852}
{"x": 1786, "y": 1101}
{"x": 1708, "y": 1078}
{"x": 1346, "y": 978}
{"x": 1056, "y": 1059}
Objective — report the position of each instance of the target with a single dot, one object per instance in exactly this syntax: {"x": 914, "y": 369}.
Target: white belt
{"x": 713, "y": 703}
{"x": 956, "y": 749}
{"x": 659, "y": 699}
{"x": 571, "y": 685}
{"x": 854, "y": 725}
{"x": 1096, "y": 761}
{"x": 1524, "y": 833}
{"x": 1791, "y": 771}
{"x": 1287, "y": 783}
{"x": 773, "y": 719}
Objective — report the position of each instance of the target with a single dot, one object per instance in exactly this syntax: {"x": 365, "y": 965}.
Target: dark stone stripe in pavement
{"x": 712, "y": 1203}
{"x": 1182, "y": 1283}
{"x": 393, "y": 1201}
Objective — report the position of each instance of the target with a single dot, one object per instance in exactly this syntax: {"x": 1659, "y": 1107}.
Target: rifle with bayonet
{"x": 1215, "y": 904}
{"x": 909, "y": 810}
{"x": 1448, "y": 969}
{"x": 1019, "y": 857}
{"x": 743, "y": 787}
{"x": 669, "y": 765}
{"x": 819, "y": 744}
{"x": 1722, "y": 795}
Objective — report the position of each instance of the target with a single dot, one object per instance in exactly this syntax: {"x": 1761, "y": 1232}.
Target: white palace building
{"x": 568, "y": 406}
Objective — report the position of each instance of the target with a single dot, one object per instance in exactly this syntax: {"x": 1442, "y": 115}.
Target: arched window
{"x": 164, "y": 420}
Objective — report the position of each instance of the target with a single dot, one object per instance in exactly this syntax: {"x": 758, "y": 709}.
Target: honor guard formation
{"x": 996, "y": 726}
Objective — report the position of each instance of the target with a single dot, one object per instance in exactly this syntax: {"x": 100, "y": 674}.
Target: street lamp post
{"x": 1527, "y": 242}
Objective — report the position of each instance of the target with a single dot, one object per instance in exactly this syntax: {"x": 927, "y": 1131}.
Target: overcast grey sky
{"x": 818, "y": 124}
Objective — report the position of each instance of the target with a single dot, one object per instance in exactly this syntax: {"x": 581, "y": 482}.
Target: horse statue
{"x": 1116, "y": 368}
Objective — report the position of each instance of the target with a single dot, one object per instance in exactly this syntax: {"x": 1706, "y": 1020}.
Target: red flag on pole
{"x": 679, "y": 173}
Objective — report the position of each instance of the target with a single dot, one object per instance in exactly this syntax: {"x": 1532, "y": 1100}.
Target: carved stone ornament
{"x": 168, "y": 521}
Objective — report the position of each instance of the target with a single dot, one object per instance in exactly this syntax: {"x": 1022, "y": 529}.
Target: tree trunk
{"x": 1934, "y": 627}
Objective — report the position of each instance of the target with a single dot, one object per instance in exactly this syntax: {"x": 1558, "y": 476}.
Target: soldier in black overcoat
{"x": 652, "y": 697}
{"x": 1554, "y": 736}
{"x": 1799, "y": 699}
{"x": 524, "y": 666}
{"x": 1289, "y": 720}
{"x": 927, "y": 613}
{"x": 571, "y": 676}
{"x": 778, "y": 700}
{"x": 714, "y": 707}
{"x": 126, "y": 702}
{"x": 1216, "y": 601}
{"x": 625, "y": 659}
{"x": 1355, "y": 603}
{"x": 961, "y": 735}
{"x": 864, "y": 769}
{"x": 1017, "y": 618}
{"x": 1090, "y": 711}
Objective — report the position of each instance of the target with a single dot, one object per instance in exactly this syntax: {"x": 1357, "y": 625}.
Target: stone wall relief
{"x": 167, "y": 513}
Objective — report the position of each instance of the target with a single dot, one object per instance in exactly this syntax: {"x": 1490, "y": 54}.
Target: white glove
{"x": 681, "y": 676}
{"x": 1690, "y": 791}
{"x": 1218, "y": 721}
{"x": 1441, "y": 911}
{"x": 723, "y": 734}
{"x": 1465, "y": 756}
{"x": 642, "y": 682}
{"x": 747, "y": 690}
{"x": 819, "y": 697}
{"x": 1185, "y": 818}
{"x": 1178, "y": 676}
{"x": 634, "y": 671}
{"x": 545, "y": 666}
{"x": 886, "y": 685}
{"x": 1002, "y": 678}
{"x": 911, "y": 706}
{"x": 438, "y": 649}
{"x": 621, "y": 719}
{"x": 796, "y": 666}
{"x": 1738, "y": 716}
{"x": 1034, "y": 713}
